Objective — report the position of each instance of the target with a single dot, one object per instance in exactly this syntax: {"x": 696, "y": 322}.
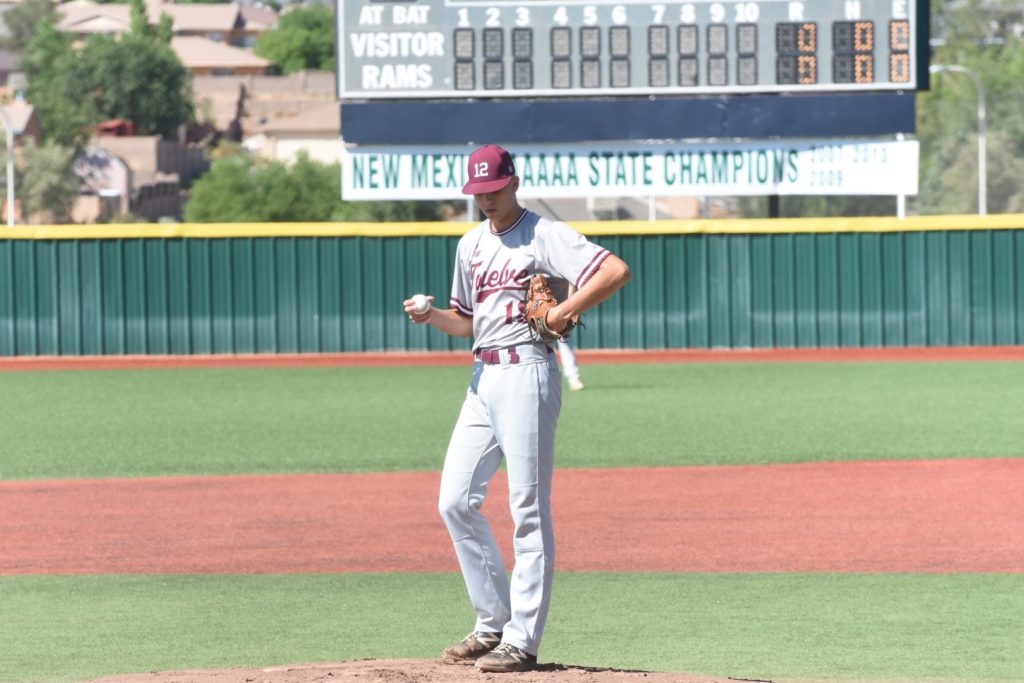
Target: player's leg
{"x": 570, "y": 368}
{"x": 472, "y": 459}
{"x": 525, "y": 417}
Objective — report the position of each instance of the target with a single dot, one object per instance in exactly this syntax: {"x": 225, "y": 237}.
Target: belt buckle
{"x": 507, "y": 356}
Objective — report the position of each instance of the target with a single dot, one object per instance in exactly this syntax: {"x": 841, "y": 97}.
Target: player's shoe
{"x": 472, "y": 647}
{"x": 506, "y": 658}
{"x": 575, "y": 385}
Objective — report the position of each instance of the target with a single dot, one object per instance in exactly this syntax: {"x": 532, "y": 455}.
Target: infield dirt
{"x": 912, "y": 516}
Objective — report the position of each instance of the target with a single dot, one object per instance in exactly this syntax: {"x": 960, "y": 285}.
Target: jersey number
{"x": 512, "y": 315}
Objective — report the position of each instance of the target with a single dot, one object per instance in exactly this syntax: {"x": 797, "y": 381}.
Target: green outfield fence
{"x": 324, "y": 288}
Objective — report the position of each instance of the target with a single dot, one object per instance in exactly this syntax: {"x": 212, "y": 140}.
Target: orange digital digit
{"x": 864, "y": 36}
{"x": 899, "y": 36}
{"x": 807, "y": 70}
{"x": 807, "y": 38}
{"x": 864, "y": 69}
{"x": 899, "y": 67}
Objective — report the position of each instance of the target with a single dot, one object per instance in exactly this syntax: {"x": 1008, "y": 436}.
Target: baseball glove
{"x": 539, "y": 300}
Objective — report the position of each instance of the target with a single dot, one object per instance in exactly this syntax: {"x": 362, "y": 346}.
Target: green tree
{"x": 23, "y": 20}
{"x": 140, "y": 25}
{"x": 140, "y": 18}
{"x": 239, "y": 189}
{"x": 139, "y": 78}
{"x": 134, "y": 76}
{"x": 303, "y": 39}
{"x": 981, "y": 36}
{"x": 165, "y": 28}
{"x": 46, "y": 180}
{"x": 51, "y": 65}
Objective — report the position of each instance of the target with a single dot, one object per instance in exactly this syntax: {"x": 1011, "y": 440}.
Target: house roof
{"x": 95, "y": 23}
{"x": 321, "y": 118}
{"x": 258, "y": 18}
{"x": 201, "y": 17}
{"x": 196, "y": 52}
{"x": 84, "y": 16}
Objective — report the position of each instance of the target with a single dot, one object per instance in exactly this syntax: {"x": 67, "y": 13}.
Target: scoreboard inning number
{"x": 478, "y": 48}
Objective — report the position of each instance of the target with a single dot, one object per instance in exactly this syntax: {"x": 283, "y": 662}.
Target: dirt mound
{"x": 405, "y": 671}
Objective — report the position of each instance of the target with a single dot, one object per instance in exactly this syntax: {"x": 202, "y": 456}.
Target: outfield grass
{"x": 748, "y": 626}
{"x": 66, "y": 424}
{"x": 847, "y": 627}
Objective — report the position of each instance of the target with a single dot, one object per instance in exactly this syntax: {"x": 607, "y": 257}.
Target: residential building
{"x": 316, "y": 131}
{"x": 233, "y": 24}
{"x": 205, "y": 57}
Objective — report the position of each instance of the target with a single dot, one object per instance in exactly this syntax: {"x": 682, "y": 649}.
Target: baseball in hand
{"x": 420, "y": 303}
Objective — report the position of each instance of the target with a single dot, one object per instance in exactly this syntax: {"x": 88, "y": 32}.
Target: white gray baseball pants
{"x": 511, "y": 410}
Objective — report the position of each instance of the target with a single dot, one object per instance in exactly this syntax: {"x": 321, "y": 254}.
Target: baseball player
{"x": 512, "y": 404}
{"x": 570, "y": 368}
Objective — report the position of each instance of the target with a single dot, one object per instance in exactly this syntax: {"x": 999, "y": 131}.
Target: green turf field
{"x": 128, "y": 423}
{"x": 822, "y": 627}
{"x": 746, "y": 626}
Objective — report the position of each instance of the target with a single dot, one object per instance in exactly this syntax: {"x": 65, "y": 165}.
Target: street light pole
{"x": 982, "y": 184}
{"x": 10, "y": 167}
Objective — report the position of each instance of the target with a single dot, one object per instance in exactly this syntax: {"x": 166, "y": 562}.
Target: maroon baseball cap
{"x": 490, "y": 170}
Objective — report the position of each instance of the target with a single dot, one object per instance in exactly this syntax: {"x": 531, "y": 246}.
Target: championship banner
{"x": 805, "y": 167}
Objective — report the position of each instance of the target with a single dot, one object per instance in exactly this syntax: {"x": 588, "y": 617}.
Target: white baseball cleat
{"x": 575, "y": 385}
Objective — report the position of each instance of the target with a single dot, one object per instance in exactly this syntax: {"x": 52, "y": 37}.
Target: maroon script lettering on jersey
{"x": 487, "y": 282}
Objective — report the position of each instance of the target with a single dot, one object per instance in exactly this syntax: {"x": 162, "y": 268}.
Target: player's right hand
{"x": 419, "y": 316}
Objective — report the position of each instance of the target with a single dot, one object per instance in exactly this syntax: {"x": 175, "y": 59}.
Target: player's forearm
{"x": 609, "y": 278}
{"x": 451, "y": 322}
{"x": 420, "y": 309}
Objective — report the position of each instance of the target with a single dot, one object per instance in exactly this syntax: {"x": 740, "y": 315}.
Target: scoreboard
{"x": 437, "y": 49}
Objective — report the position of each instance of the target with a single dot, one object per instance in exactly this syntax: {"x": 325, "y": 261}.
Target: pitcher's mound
{"x": 405, "y": 671}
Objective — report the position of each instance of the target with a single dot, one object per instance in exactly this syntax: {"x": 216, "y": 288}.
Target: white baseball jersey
{"x": 493, "y": 272}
